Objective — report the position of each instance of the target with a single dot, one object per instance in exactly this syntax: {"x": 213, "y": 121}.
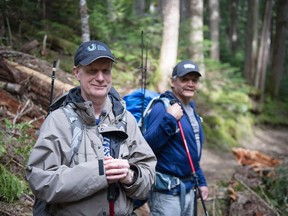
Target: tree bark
{"x": 168, "y": 53}
{"x": 28, "y": 47}
{"x": 214, "y": 29}
{"x": 233, "y": 26}
{"x": 196, "y": 36}
{"x": 264, "y": 50}
{"x": 84, "y": 21}
{"x": 111, "y": 15}
{"x": 34, "y": 84}
{"x": 139, "y": 8}
{"x": 279, "y": 41}
{"x": 184, "y": 10}
{"x": 251, "y": 46}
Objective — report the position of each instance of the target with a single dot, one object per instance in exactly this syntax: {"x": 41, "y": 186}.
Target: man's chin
{"x": 99, "y": 93}
{"x": 189, "y": 94}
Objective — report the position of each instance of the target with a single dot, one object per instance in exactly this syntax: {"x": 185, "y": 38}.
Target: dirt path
{"x": 219, "y": 166}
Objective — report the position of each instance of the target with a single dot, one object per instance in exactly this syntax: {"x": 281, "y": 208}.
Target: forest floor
{"x": 221, "y": 166}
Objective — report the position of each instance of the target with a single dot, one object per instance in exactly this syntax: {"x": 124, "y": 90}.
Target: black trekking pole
{"x": 192, "y": 167}
{"x": 143, "y": 67}
{"x": 143, "y": 72}
{"x": 52, "y": 85}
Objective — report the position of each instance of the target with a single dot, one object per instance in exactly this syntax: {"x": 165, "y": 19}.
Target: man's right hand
{"x": 175, "y": 110}
{"x": 116, "y": 169}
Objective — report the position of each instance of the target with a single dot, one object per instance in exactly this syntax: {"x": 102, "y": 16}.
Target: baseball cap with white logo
{"x": 90, "y": 51}
{"x": 184, "y": 67}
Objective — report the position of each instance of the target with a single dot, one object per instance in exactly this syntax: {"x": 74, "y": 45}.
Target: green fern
{"x": 11, "y": 187}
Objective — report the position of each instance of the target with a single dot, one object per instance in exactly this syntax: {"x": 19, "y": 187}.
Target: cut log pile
{"x": 25, "y": 86}
{"x": 259, "y": 161}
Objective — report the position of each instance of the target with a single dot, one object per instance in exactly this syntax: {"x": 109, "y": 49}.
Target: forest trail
{"x": 220, "y": 166}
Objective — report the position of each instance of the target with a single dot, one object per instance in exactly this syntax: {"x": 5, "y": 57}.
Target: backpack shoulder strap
{"x": 77, "y": 129}
{"x": 143, "y": 121}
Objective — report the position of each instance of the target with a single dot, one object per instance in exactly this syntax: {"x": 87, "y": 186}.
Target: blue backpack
{"x": 140, "y": 104}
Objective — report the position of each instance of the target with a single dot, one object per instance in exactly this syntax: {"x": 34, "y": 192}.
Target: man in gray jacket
{"x": 108, "y": 164}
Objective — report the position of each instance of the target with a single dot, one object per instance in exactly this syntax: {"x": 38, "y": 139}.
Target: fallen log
{"x": 254, "y": 158}
{"x": 38, "y": 85}
{"x": 8, "y": 103}
{"x": 31, "y": 62}
{"x": 28, "y": 47}
{"x": 10, "y": 87}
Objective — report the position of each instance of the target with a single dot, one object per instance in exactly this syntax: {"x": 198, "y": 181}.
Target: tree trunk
{"x": 168, "y": 53}
{"x": 233, "y": 26}
{"x": 111, "y": 15}
{"x": 139, "y": 8}
{"x": 279, "y": 47}
{"x": 184, "y": 10}
{"x": 84, "y": 21}
{"x": 264, "y": 50}
{"x": 214, "y": 29}
{"x": 196, "y": 36}
{"x": 251, "y": 41}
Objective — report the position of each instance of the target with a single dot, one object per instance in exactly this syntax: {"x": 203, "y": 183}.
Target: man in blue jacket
{"x": 173, "y": 193}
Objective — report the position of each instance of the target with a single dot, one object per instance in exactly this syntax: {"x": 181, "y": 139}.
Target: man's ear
{"x": 76, "y": 72}
{"x": 171, "y": 81}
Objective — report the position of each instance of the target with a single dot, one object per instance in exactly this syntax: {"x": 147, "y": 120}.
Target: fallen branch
{"x": 14, "y": 161}
{"x": 4, "y": 212}
{"x": 21, "y": 113}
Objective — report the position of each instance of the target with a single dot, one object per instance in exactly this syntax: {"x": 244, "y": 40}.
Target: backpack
{"x": 140, "y": 104}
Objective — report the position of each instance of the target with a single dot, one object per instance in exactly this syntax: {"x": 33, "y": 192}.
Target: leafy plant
{"x": 273, "y": 112}
{"x": 15, "y": 145}
{"x": 277, "y": 188}
{"x": 11, "y": 187}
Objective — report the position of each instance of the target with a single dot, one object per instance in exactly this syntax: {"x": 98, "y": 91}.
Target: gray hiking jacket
{"x": 80, "y": 187}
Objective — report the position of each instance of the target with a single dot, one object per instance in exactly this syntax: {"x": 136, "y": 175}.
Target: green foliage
{"x": 15, "y": 145}
{"x": 273, "y": 112}
{"x": 17, "y": 135}
{"x": 2, "y": 147}
{"x": 11, "y": 187}
{"x": 227, "y": 118}
{"x": 276, "y": 188}
{"x": 217, "y": 133}
{"x": 123, "y": 32}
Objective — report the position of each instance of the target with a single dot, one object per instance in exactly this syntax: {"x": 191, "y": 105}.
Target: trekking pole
{"x": 143, "y": 67}
{"x": 142, "y": 74}
{"x": 192, "y": 167}
{"x": 111, "y": 198}
{"x": 52, "y": 85}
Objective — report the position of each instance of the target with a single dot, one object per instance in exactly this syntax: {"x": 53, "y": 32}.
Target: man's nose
{"x": 99, "y": 75}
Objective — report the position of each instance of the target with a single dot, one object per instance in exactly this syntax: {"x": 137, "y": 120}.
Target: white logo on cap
{"x": 189, "y": 66}
{"x": 100, "y": 47}
{"x": 93, "y": 47}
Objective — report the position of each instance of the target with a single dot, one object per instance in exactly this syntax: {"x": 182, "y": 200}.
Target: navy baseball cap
{"x": 90, "y": 51}
{"x": 185, "y": 67}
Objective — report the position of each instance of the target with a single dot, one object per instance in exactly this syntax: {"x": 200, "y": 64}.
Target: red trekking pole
{"x": 192, "y": 167}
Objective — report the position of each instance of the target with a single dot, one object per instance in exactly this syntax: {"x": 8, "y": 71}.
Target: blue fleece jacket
{"x": 164, "y": 137}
